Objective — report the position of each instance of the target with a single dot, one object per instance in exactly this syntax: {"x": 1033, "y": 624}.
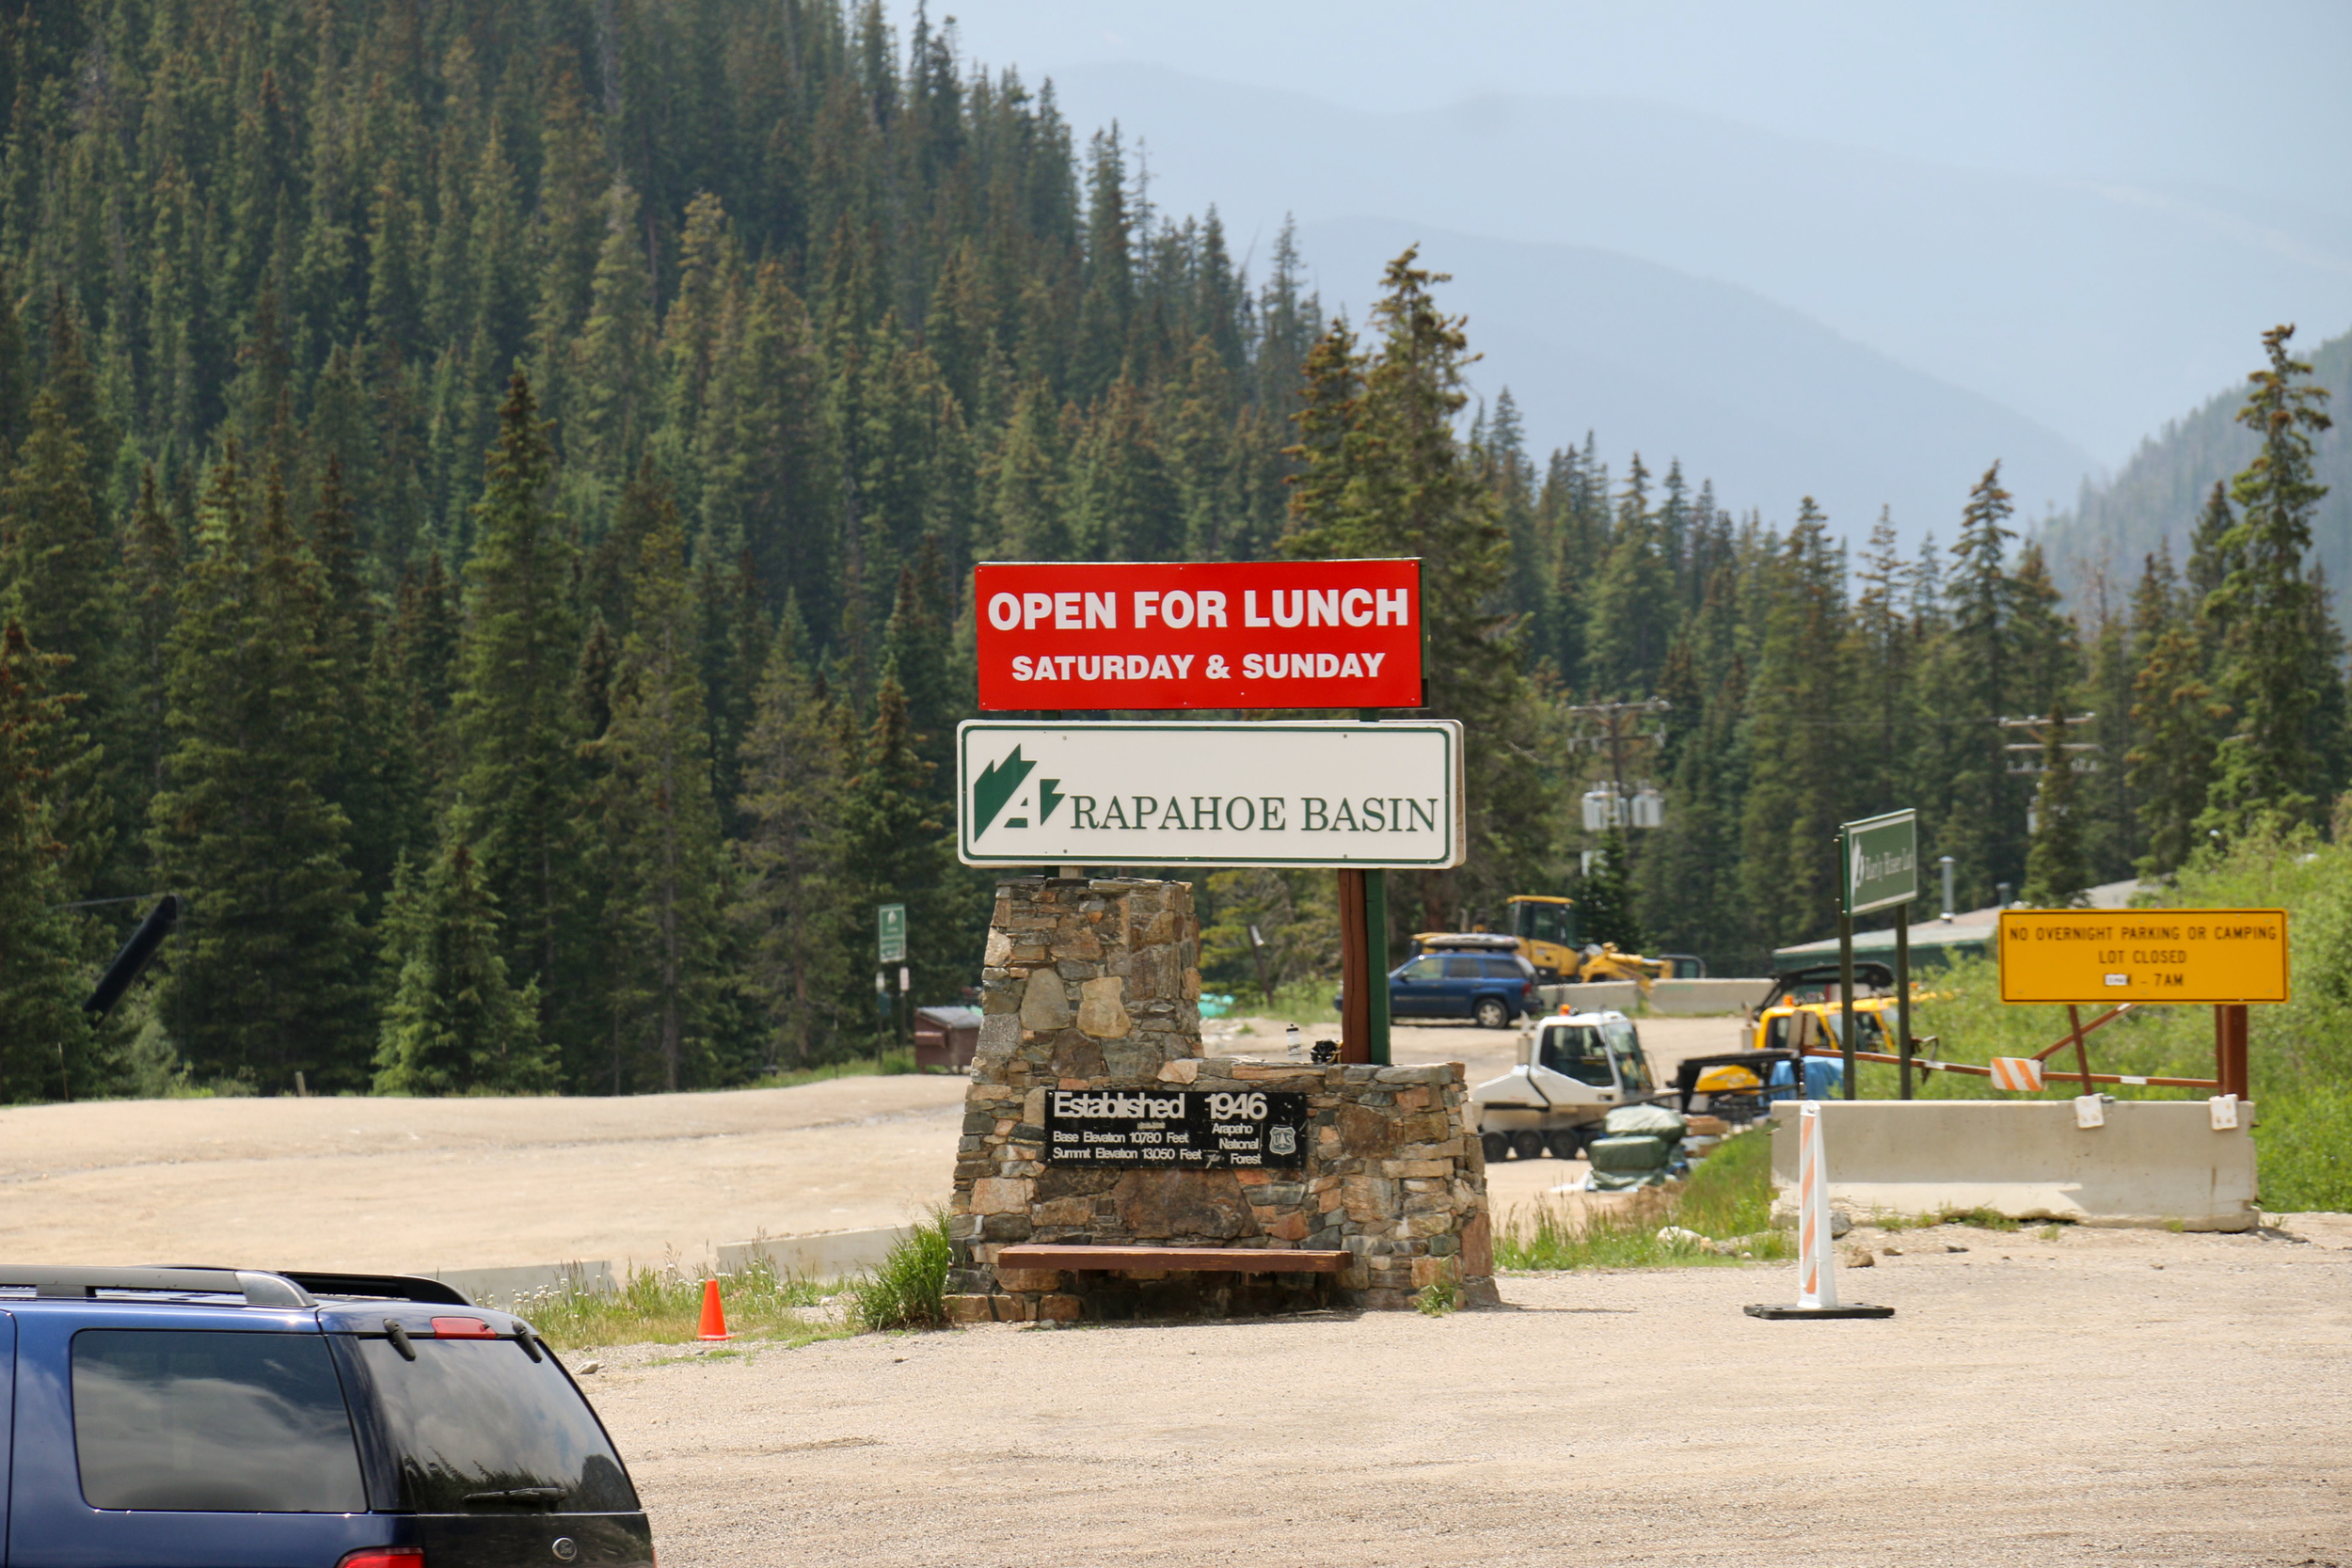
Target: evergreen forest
{"x": 488, "y": 491}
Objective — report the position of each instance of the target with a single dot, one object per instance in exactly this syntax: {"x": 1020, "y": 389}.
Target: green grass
{"x": 910, "y": 1288}
{"x": 664, "y": 1306}
{"x": 2303, "y": 1139}
{"x": 1729, "y": 1196}
{"x": 1304, "y": 1003}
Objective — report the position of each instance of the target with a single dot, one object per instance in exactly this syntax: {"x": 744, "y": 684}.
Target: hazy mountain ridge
{"x": 2155, "y": 498}
{"x": 2036, "y": 294}
{"x": 1765, "y": 401}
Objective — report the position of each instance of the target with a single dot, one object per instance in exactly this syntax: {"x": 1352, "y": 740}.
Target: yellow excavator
{"x": 1542, "y": 930}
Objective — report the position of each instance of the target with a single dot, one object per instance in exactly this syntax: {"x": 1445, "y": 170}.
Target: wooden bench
{"x": 1162, "y": 1259}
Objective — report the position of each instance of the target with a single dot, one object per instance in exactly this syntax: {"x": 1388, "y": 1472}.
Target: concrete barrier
{"x": 499, "y": 1287}
{"x": 2155, "y": 1163}
{"x": 1671, "y": 998}
{"x": 829, "y": 1255}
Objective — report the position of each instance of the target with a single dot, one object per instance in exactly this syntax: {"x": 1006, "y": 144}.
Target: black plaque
{"x": 1178, "y": 1129}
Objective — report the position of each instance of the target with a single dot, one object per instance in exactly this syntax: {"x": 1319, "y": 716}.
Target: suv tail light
{"x": 463, "y": 1328}
{"x": 384, "y": 1557}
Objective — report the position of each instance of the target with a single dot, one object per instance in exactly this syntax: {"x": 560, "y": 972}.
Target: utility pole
{"x": 1620, "y": 720}
{"x": 2081, "y": 755}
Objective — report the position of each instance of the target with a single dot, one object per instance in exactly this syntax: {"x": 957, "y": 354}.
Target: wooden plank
{"x": 1157, "y": 1260}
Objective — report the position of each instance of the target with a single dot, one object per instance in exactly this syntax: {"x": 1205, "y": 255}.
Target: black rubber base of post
{"x": 1784, "y": 1313}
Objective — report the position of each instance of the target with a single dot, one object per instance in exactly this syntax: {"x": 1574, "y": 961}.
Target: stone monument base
{"x": 1091, "y": 1028}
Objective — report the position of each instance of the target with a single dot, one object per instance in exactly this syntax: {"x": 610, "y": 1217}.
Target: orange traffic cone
{"x": 714, "y": 1316}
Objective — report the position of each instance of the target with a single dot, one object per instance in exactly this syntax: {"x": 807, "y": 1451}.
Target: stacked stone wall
{"x": 1094, "y": 985}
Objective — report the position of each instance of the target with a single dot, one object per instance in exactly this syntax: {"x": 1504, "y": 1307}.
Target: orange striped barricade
{"x": 1816, "y": 1266}
{"x": 2019, "y": 1075}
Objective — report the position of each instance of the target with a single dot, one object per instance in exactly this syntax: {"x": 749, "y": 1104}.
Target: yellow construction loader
{"x": 1542, "y": 930}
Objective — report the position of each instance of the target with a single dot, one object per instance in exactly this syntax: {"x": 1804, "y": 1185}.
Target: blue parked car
{"x": 225, "y": 1419}
{"x": 1491, "y": 988}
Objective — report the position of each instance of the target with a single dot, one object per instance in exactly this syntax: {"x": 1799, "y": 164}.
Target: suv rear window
{"x": 213, "y": 1421}
{"x": 1505, "y": 968}
{"x": 476, "y": 1426}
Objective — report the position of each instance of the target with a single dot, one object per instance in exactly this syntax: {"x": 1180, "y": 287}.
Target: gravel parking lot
{"x": 2110, "y": 1397}
{"x": 2107, "y": 1397}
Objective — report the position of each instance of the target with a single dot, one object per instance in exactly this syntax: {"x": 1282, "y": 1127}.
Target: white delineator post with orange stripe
{"x": 1816, "y": 1270}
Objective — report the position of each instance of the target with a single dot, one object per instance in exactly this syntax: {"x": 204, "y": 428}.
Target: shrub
{"x": 1730, "y": 1197}
{"x": 910, "y": 1288}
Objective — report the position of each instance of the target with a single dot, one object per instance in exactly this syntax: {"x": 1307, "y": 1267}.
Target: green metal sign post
{"x": 1879, "y": 861}
{"x": 890, "y": 948}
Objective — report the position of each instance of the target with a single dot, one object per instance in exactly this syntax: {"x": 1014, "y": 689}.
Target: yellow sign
{"x": 2143, "y": 955}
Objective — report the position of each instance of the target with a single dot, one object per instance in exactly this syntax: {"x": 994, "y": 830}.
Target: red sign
{"x": 1224, "y": 634}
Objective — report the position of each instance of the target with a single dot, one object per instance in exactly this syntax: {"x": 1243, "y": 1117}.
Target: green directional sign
{"x": 890, "y": 931}
{"x": 1881, "y": 855}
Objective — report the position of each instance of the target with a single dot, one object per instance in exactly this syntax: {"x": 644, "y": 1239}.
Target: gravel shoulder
{"x": 2110, "y": 1397}
{"x": 415, "y": 1185}
{"x": 423, "y": 1184}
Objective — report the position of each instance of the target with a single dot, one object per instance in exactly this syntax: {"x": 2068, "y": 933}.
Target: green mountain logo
{"x": 994, "y": 787}
{"x": 1047, "y": 798}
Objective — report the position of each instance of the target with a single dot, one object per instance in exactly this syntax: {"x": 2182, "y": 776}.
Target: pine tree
{"x": 795, "y": 899}
{"x": 56, "y": 582}
{"x": 2270, "y": 769}
{"x": 1604, "y": 901}
{"x": 1385, "y": 474}
{"x": 1973, "y": 809}
{"x": 896, "y": 849}
{"x": 151, "y": 565}
{"x": 2056, "y": 871}
{"x": 515, "y": 757}
{"x": 1031, "y": 523}
{"x": 264, "y": 971}
{"x": 1632, "y": 617}
{"x": 453, "y": 1024}
{"x": 1122, "y": 502}
{"x": 43, "y": 1032}
{"x": 1800, "y": 785}
{"x": 914, "y": 649}
{"x": 55, "y": 550}
{"x": 2175, "y": 721}
{"x": 616, "y": 352}
{"x": 661, "y": 832}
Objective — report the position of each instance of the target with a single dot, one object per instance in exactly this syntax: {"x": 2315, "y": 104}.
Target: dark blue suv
{"x": 1491, "y": 988}
{"x": 225, "y": 1419}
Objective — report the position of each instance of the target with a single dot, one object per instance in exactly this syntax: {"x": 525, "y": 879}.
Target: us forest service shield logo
{"x": 1281, "y": 1140}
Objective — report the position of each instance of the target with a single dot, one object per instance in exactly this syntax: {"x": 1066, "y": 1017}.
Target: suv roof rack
{"x": 257, "y": 1288}
{"x": 393, "y": 1286}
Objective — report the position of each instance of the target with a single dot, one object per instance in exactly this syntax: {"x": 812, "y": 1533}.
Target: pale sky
{"x": 2250, "y": 95}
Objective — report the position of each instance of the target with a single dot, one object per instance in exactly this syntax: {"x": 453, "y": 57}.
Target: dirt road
{"x": 2112, "y": 1397}
{"x": 421, "y": 1184}
{"x": 425, "y": 1184}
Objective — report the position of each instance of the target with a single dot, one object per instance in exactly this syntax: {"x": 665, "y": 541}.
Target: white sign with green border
{"x": 1881, "y": 861}
{"x": 1336, "y": 794}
